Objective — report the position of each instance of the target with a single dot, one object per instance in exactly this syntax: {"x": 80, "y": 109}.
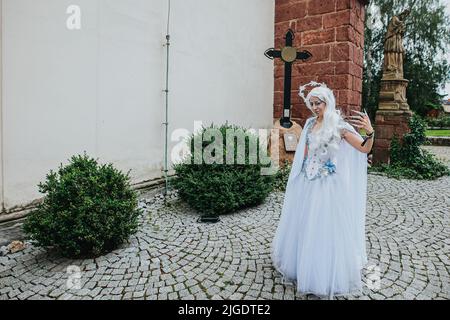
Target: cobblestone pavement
{"x": 175, "y": 257}
{"x": 442, "y": 153}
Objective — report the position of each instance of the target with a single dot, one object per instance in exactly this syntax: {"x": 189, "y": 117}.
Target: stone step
{"x": 439, "y": 141}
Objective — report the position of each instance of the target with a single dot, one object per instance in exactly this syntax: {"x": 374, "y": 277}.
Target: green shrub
{"x": 214, "y": 188}
{"x": 409, "y": 160}
{"x": 88, "y": 209}
{"x": 440, "y": 122}
{"x": 282, "y": 176}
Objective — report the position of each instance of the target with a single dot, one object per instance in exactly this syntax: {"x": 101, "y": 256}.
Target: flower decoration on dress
{"x": 330, "y": 166}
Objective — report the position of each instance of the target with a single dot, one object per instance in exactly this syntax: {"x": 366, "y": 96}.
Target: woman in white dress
{"x": 320, "y": 240}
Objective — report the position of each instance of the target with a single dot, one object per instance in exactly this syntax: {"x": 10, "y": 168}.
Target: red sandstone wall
{"x": 333, "y": 31}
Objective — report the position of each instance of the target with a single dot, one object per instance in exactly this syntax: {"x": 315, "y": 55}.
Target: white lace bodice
{"x": 314, "y": 164}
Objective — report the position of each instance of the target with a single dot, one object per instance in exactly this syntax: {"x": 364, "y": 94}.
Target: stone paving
{"x": 10, "y": 231}
{"x": 442, "y": 153}
{"x": 175, "y": 257}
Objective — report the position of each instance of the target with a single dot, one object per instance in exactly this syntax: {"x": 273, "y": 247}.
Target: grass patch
{"x": 438, "y": 133}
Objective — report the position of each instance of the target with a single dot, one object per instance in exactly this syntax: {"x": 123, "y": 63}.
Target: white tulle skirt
{"x": 319, "y": 243}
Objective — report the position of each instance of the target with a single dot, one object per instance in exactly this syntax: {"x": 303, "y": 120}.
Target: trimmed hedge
{"x": 441, "y": 122}
{"x": 214, "y": 188}
{"x": 88, "y": 209}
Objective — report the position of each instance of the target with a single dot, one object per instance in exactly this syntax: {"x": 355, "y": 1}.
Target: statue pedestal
{"x": 392, "y": 117}
{"x": 387, "y": 124}
{"x": 393, "y": 94}
{"x": 280, "y": 149}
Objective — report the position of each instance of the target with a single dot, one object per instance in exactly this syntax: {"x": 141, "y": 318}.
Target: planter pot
{"x": 209, "y": 219}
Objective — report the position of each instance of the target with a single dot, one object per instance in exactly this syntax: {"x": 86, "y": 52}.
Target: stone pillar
{"x": 333, "y": 31}
{"x": 388, "y": 123}
{"x": 392, "y": 116}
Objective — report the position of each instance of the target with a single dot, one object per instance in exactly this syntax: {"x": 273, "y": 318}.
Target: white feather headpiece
{"x": 310, "y": 84}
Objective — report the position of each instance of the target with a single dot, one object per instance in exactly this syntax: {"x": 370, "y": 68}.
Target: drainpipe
{"x": 166, "y": 123}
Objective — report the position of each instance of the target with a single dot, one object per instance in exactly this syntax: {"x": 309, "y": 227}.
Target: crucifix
{"x": 289, "y": 55}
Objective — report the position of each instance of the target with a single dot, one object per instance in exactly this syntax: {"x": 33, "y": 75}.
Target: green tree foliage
{"x": 426, "y": 41}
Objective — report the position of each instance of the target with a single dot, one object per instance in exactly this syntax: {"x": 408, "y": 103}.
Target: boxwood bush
{"x": 88, "y": 209}
{"x": 212, "y": 188}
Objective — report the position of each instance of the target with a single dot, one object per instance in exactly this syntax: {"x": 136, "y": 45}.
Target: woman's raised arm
{"x": 361, "y": 121}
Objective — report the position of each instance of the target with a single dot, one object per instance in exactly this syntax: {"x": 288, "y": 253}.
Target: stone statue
{"x": 393, "y": 112}
{"x": 393, "y": 47}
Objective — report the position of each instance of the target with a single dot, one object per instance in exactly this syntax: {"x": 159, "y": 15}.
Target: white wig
{"x": 328, "y": 137}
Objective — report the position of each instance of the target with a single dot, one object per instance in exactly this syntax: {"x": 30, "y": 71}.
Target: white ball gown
{"x": 319, "y": 244}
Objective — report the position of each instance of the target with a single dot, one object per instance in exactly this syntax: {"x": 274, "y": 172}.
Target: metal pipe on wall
{"x": 166, "y": 123}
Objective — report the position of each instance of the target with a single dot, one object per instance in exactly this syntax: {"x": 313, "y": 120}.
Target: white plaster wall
{"x": 1, "y": 114}
{"x": 219, "y": 68}
{"x": 99, "y": 89}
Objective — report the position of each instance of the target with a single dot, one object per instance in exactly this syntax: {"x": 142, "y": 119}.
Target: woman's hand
{"x": 361, "y": 121}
